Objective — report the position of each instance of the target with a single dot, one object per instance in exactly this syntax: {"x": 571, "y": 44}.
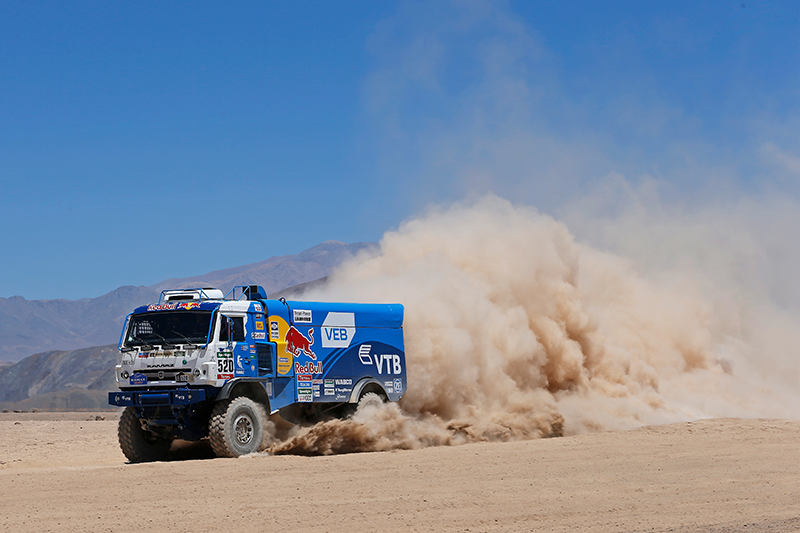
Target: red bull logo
{"x": 308, "y": 368}
{"x": 161, "y": 307}
{"x": 297, "y": 343}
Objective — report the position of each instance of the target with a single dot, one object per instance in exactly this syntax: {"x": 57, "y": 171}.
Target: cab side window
{"x": 236, "y": 323}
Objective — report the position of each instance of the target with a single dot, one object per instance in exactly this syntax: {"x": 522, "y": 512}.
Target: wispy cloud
{"x": 467, "y": 97}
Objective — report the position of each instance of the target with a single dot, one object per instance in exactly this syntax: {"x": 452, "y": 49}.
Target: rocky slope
{"x": 53, "y": 380}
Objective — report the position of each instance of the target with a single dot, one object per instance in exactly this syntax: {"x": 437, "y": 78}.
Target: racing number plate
{"x": 224, "y": 365}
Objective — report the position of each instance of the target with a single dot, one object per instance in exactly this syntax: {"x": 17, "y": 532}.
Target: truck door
{"x": 235, "y": 356}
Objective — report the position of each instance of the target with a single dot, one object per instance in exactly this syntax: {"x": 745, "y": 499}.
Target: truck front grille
{"x": 165, "y": 374}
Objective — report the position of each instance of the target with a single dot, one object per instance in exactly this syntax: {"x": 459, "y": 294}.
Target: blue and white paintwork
{"x": 299, "y": 352}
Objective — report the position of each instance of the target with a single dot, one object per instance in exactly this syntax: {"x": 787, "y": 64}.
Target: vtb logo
{"x": 389, "y": 360}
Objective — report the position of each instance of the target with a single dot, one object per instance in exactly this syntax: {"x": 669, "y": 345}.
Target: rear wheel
{"x": 370, "y": 399}
{"x": 138, "y": 444}
{"x": 236, "y": 427}
{"x": 367, "y": 398}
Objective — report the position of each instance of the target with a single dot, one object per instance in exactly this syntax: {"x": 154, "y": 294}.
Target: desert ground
{"x": 65, "y": 472}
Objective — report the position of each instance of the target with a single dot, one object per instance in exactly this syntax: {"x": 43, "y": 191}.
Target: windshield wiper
{"x": 144, "y": 342}
{"x": 188, "y": 340}
{"x": 166, "y": 342}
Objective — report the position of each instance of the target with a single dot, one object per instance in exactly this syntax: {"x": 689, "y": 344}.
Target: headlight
{"x": 124, "y": 374}
{"x": 196, "y": 372}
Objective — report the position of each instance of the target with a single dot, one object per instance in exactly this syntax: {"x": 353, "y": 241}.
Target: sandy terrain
{"x": 64, "y": 472}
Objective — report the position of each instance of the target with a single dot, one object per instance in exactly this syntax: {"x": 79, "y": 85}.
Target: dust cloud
{"x": 514, "y": 330}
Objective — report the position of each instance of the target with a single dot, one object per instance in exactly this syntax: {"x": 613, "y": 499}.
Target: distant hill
{"x": 53, "y": 378}
{"x": 277, "y": 272}
{"x": 33, "y": 326}
{"x": 76, "y": 380}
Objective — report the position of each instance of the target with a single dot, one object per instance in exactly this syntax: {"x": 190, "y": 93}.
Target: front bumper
{"x": 154, "y": 398}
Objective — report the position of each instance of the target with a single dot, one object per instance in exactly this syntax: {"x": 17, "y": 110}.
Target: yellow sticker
{"x": 277, "y": 332}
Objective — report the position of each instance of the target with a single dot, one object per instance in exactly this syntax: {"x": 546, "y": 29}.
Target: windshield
{"x": 168, "y": 327}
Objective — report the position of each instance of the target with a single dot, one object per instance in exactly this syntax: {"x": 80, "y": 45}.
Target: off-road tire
{"x": 370, "y": 398}
{"x": 237, "y": 427}
{"x": 139, "y": 445}
{"x": 367, "y": 398}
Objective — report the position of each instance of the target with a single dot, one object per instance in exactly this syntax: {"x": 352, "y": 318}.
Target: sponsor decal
{"x": 302, "y": 316}
{"x": 305, "y": 394}
{"x": 283, "y": 360}
{"x": 274, "y": 330}
{"x": 224, "y": 376}
{"x": 343, "y": 381}
{"x": 144, "y": 355}
{"x": 317, "y": 381}
{"x": 338, "y": 330}
{"x": 138, "y": 379}
{"x": 385, "y": 363}
{"x": 328, "y": 382}
{"x": 308, "y": 368}
{"x": 387, "y": 384}
{"x": 329, "y": 392}
{"x": 389, "y": 390}
{"x": 302, "y": 378}
{"x": 166, "y": 353}
{"x": 174, "y": 305}
{"x": 162, "y": 307}
{"x": 259, "y": 336}
{"x": 363, "y": 354}
{"x": 259, "y": 316}
{"x": 398, "y": 386}
{"x": 316, "y": 392}
{"x": 259, "y": 325}
{"x": 299, "y": 344}
{"x": 257, "y": 307}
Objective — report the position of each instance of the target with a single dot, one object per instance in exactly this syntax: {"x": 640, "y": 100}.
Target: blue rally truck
{"x": 202, "y": 364}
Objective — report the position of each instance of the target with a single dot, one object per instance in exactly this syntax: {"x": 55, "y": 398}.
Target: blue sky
{"x": 168, "y": 139}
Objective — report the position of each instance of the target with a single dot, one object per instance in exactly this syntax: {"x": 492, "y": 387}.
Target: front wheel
{"x": 138, "y": 444}
{"x": 236, "y": 427}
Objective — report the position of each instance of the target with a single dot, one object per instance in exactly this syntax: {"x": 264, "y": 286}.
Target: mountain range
{"x": 73, "y": 342}
{"x": 33, "y": 326}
